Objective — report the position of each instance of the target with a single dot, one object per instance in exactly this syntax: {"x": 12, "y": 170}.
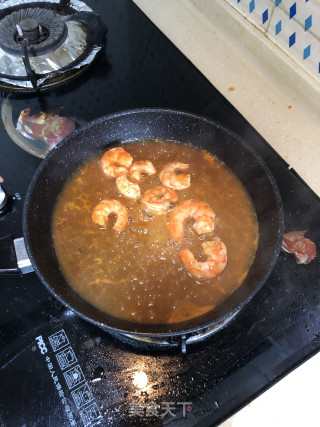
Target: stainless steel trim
{"x": 3, "y": 198}
{"x": 24, "y": 262}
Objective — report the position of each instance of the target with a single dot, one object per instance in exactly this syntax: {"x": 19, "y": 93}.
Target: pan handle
{"x": 13, "y": 256}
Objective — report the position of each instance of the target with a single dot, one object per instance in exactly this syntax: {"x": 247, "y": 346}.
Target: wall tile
{"x": 301, "y": 45}
{"x": 293, "y": 25}
{"x": 257, "y": 11}
{"x": 306, "y": 13}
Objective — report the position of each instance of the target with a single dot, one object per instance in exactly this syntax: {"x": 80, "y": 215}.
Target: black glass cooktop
{"x": 57, "y": 369}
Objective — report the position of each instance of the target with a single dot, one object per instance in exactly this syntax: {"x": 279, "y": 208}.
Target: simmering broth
{"x": 137, "y": 274}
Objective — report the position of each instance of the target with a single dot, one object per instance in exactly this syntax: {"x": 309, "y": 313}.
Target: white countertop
{"x": 284, "y": 110}
{"x": 282, "y": 102}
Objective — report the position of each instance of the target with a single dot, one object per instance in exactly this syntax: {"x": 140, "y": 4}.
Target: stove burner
{"x": 44, "y": 30}
{"x": 175, "y": 341}
{"x": 46, "y": 43}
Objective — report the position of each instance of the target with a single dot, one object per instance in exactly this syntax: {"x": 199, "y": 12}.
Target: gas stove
{"x": 57, "y": 369}
{"x": 45, "y": 43}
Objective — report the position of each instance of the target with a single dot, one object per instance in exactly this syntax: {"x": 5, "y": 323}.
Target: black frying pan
{"x": 124, "y": 127}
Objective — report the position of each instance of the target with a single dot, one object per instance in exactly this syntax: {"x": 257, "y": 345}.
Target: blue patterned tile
{"x": 278, "y": 27}
{"x": 293, "y": 10}
{"x": 252, "y": 6}
{"x": 293, "y": 25}
{"x": 308, "y": 23}
{"x": 307, "y": 52}
{"x": 265, "y": 16}
{"x": 292, "y": 39}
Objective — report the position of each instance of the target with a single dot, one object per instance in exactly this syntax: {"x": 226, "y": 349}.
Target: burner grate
{"x": 44, "y": 30}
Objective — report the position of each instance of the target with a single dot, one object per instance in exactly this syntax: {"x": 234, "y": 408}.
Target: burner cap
{"x": 44, "y": 29}
{"x": 30, "y": 29}
{"x": 29, "y": 24}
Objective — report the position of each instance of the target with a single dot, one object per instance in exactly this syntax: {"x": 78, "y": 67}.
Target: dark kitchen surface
{"x": 57, "y": 369}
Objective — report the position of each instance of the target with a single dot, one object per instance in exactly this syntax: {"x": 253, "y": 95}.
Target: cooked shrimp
{"x": 216, "y": 252}
{"x": 116, "y": 162}
{"x": 105, "y": 208}
{"x": 158, "y": 199}
{"x": 127, "y": 188}
{"x": 138, "y": 168}
{"x": 173, "y": 180}
{"x": 202, "y": 213}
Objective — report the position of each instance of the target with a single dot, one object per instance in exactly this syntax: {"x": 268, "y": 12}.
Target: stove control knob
{"x": 3, "y": 199}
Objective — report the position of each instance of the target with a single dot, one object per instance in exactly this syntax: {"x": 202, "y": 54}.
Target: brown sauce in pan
{"x": 137, "y": 275}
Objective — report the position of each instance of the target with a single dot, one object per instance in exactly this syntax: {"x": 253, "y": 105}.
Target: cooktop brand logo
{"x": 41, "y": 345}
